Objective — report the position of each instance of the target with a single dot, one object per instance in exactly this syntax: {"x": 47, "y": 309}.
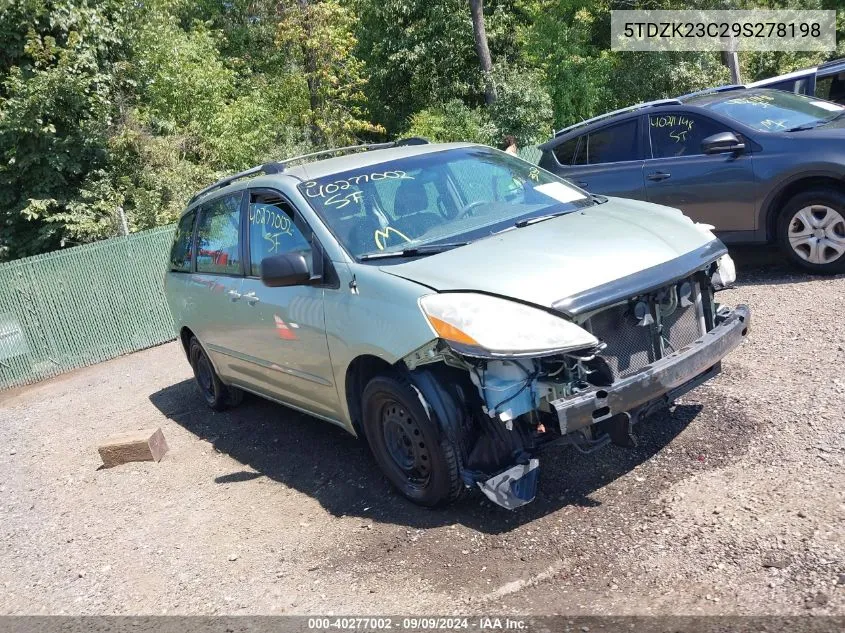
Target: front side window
{"x": 218, "y": 243}
{"x": 272, "y": 231}
{"x": 613, "y": 144}
{"x": 679, "y": 134}
{"x": 181, "y": 255}
{"x": 776, "y": 111}
{"x": 454, "y": 195}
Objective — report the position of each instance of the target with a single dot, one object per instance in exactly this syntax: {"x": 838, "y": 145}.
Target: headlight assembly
{"x": 484, "y": 326}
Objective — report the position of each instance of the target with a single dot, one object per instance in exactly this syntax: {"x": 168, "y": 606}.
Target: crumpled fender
{"x": 490, "y": 455}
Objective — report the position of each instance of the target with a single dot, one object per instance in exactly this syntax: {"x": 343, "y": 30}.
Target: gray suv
{"x": 457, "y": 307}
{"x": 759, "y": 165}
{"x": 826, "y": 81}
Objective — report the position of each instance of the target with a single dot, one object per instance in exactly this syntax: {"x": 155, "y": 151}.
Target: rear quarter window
{"x": 181, "y": 254}
{"x": 613, "y": 144}
{"x": 565, "y": 152}
{"x": 218, "y": 236}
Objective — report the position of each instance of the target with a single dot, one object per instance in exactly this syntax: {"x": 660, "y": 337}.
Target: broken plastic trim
{"x": 514, "y": 487}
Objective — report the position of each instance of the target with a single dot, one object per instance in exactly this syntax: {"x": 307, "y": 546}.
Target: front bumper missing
{"x": 674, "y": 375}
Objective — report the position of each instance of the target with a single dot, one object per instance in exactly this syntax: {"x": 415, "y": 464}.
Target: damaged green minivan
{"x": 456, "y": 307}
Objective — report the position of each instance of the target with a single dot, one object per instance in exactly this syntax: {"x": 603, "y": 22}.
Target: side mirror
{"x": 722, "y": 143}
{"x": 287, "y": 269}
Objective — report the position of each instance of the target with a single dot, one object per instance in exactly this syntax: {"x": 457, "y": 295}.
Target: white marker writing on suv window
{"x": 313, "y": 189}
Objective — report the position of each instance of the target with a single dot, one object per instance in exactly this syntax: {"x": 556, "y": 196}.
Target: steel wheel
{"x": 405, "y": 444}
{"x": 214, "y": 392}
{"x": 407, "y": 441}
{"x": 205, "y": 377}
{"x": 817, "y": 234}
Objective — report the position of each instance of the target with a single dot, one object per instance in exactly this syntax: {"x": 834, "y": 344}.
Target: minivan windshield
{"x": 451, "y": 197}
{"x": 775, "y": 110}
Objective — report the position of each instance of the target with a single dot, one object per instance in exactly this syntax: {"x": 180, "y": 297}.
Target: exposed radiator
{"x": 632, "y": 343}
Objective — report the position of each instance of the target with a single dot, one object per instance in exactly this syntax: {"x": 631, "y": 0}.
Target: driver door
{"x": 284, "y": 329}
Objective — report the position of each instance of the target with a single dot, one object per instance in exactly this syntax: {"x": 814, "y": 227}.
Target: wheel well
{"x": 358, "y": 374}
{"x": 185, "y": 335}
{"x": 792, "y": 189}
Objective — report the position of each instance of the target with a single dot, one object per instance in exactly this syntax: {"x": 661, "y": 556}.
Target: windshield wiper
{"x": 423, "y": 249}
{"x": 801, "y": 128}
{"x": 539, "y": 218}
{"x": 810, "y": 126}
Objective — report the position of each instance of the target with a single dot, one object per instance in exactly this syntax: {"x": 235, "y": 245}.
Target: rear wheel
{"x": 811, "y": 231}
{"x": 216, "y": 395}
{"x": 417, "y": 458}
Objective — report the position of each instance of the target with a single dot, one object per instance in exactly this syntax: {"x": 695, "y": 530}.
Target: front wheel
{"x": 811, "y": 231}
{"x": 417, "y": 458}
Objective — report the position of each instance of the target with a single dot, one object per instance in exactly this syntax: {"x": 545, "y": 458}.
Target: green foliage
{"x": 181, "y": 77}
{"x": 523, "y": 106}
{"x": 319, "y": 36}
{"x": 569, "y": 42}
{"x": 420, "y": 53}
{"x": 55, "y": 112}
{"x": 453, "y": 121}
{"x": 106, "y": 104}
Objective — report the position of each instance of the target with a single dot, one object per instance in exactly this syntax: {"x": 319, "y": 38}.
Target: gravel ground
{"x": 734, "y": 502}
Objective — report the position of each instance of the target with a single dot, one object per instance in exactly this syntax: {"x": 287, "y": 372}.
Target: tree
{"x": 319, "y": 35}
{"x": 482, "y": 49}
{"x": 420, "y": 54}
{"x": 59, "y": 77}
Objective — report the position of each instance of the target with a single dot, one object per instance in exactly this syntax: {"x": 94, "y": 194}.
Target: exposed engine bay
{"x": 652, "y": 347}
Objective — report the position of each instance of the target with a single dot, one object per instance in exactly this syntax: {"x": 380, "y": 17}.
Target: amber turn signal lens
{"x": 450, "y": 332}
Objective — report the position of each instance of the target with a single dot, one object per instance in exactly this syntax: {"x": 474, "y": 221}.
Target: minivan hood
{"x": 568, "y": 256}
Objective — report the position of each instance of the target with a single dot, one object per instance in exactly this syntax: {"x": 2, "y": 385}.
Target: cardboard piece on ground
{"x": 147, "y": 445}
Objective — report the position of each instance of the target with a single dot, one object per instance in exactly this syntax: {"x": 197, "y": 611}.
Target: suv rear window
{"x": 181, "y": 255}
{"x": 613, "y": 144}
{"x": 565, "y": 152}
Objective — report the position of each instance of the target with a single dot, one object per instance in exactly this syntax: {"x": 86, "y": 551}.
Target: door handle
{"x": 251, "y": 298}
{"x": 234, "y": 295}
{"x": 657, "y": 176}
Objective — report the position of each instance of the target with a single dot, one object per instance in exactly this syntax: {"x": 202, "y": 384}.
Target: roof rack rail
{"x": 647, "y": 104}
{"x": 279, "y": 167}
{"x": 267, "y": 168}
{"x": 414, "y": 140}
{"x": 832, "y": 62}
{"x": 715, "y": 90}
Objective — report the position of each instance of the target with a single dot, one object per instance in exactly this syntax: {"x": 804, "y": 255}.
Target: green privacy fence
{"x": 530, "y": 153}
{"x": 82, "y": 305}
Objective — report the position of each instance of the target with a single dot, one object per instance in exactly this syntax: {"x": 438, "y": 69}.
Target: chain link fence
{"x": 530, "y": 153}
{"x": 82, "y": 305}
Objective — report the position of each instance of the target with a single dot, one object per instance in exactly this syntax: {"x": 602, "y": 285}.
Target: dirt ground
{"x": 734, "y": 502}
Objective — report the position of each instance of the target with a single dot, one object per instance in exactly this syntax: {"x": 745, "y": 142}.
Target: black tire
{"x": 216, "y": 395}
{"x": 410, "y": 448}
{"x": 794, "y": 222}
